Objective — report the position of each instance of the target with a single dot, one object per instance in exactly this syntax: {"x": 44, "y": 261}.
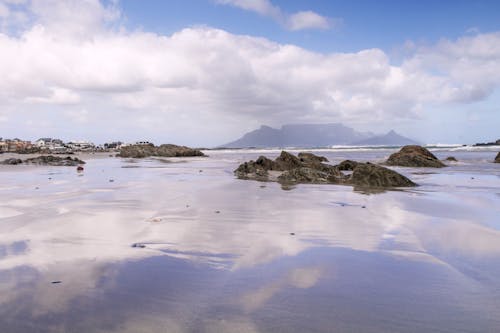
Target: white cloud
{"x": 307, "y": 20}
{"x": 262, "y": 7}
{"x": 298, "y": 21}
{"x": 204, "y": 79}
{"x": 76, "y": 18}
{"x": 56, "y": 96}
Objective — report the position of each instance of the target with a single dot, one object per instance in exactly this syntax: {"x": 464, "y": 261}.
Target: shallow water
{"x": 216, "y": 254}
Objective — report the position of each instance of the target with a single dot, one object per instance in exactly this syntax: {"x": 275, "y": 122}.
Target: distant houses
{"x": 81, "y": 146}
{"x": 51, "y": 145}
{"x": 58, "y": 146}
{"x": 45, "y": 145}
{"x": 15, "y": 146}
{"x": 113, "y": 145}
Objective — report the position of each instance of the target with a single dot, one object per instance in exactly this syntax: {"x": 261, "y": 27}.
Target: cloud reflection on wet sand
{"x": 76, "y": 228}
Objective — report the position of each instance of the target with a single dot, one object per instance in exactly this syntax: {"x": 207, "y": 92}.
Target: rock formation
{"x": 257, "y": 170}
{"x": 497, "y": 159}
{"x": 311, "y": 158}
{"x": 451, "y": 159}
{"x": 414, "y": 156}
{"x": 347, "y": 165}
{"x": 12, "y": 161}
{"x": 287, "y": 161}
{"x": 304, "y": 175}
{"x": 495, "y": 143}
{"x": 54, "y": 161}
{"x": 166, "y": 150}
{"x": 46, "y": 160}
{"x": 289, "y": 169}
{"x": 372, "y": 175}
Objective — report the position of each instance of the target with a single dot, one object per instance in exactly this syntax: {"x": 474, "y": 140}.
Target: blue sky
{"x": 203, "y": 72}
{"x": 384, "y": 24}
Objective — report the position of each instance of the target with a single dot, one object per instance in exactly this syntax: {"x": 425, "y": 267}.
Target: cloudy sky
{"x": 202, "y": 72}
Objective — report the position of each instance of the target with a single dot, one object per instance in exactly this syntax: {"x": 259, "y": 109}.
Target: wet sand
{"x": 180, "y": 245}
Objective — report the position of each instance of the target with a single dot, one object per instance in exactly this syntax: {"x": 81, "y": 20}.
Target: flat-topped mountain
{"x": 314, "y": 135}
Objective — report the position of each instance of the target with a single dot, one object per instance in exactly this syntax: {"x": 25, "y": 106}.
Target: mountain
{"x": 299, "y": 135}
{"x": 390, "y": 139}
{"x": 313, "y": 135}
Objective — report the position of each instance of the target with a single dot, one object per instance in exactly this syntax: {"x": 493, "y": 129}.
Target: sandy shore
{"x": 181, "y": 245}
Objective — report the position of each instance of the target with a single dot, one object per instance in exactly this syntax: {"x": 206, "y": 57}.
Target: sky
{"x": 204, "y": 72}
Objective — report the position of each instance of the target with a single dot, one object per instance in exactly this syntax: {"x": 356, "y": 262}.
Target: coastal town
{"x": 55, "y": 146}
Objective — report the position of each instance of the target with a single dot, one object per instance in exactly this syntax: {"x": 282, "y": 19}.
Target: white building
{"x": 81, "y": 145}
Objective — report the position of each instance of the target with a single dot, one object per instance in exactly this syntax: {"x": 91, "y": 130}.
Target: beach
{"x": 182, "y": 245}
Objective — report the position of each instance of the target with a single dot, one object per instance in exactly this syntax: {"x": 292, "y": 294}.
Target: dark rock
{"x": 169, "y": 150}
{"x": 139, "y": 245}
{"x": 497, "y": 159}
{"x": 255, "y": 169}
{"x": 288, "y": 169}
{"x": 414, "y": 156}
{"x": 495, "y": 143}
{"x": 54, "y": 161}
{"x": 166, "y": 150}
{"x": 287, "y": 161}
{"x": 304, "y": 175}
{"x": 314, "y": 171}
{"x": 315, "y": 162}
{"x": 330, "y": 169}
{"x": 266, "y": 164}
{"x": 347, "y": 165}
{"x": 12, "y": 161}
{"x": 451, "y": 159}
{"x": 372, "y": 175}
{"x": 311, "y": 158}
{"x": 46, "y": 160}
{"x": 56, "y": 282}
{"x": 137, "y": 151}
{"x": 79, "y": 168}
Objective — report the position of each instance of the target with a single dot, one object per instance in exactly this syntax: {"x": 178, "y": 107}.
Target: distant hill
{"x": 390, "y": 139}
{"x": 313, "y": 135}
